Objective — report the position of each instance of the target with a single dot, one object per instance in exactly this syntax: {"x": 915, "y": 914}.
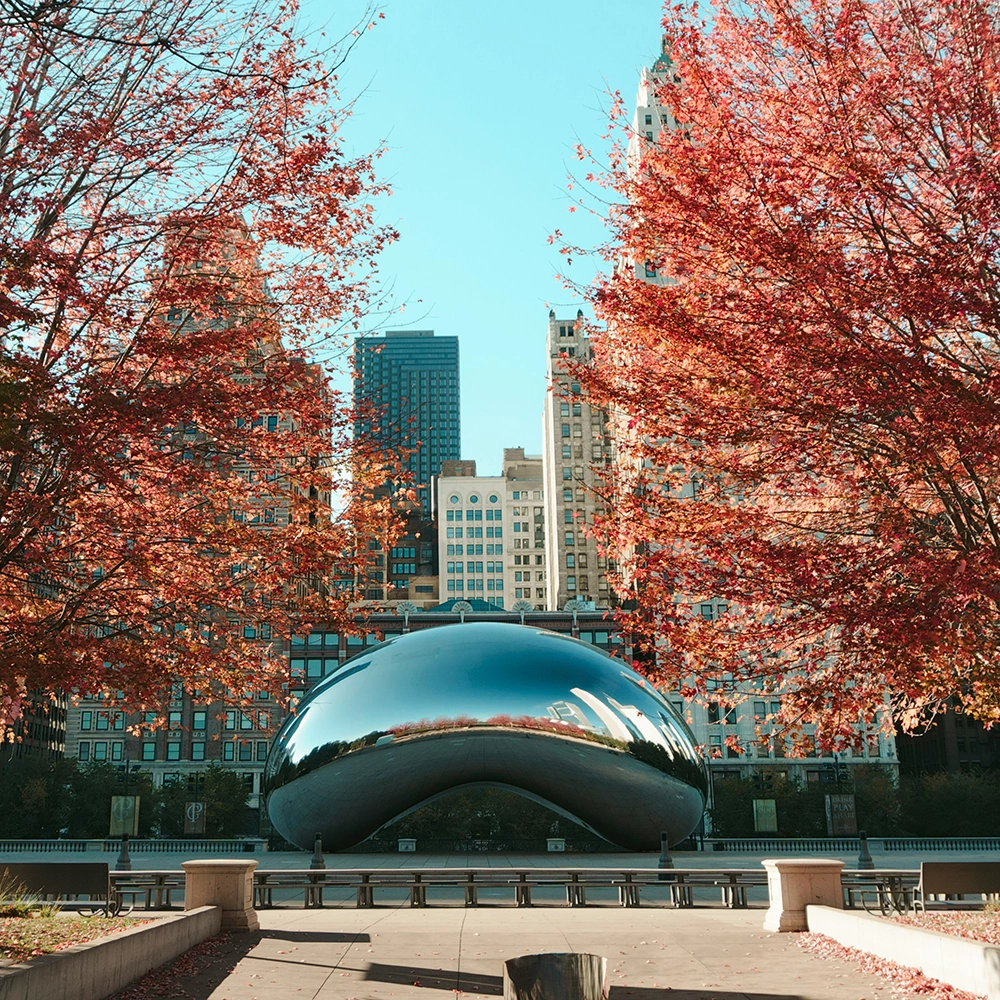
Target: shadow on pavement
{"x": 449, "y": 980}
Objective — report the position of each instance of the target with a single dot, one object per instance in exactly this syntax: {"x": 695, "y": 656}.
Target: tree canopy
{"x": 817, "y": 359}
{"x": 179, "y": 222}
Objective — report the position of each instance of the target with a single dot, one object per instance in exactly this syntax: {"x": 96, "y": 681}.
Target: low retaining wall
{"x": 96, "y": 969}
{"x": 960, "y": 962}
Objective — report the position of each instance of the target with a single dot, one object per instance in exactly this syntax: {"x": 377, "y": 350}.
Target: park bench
{"x": 956, "y": 879}
{"x": 890, "y": 889}
{"x": 155, "y": 887}
{"x": 66, "y": 882}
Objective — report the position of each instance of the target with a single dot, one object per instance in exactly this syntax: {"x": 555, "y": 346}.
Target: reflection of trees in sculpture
{"x": 677, "y": 767}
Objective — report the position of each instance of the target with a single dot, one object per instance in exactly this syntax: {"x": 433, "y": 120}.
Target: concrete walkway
{"x": 700, "y": 954}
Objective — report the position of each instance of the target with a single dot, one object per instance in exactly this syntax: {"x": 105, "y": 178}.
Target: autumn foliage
{"x": 819, "y": 355}
{"x": 179, "y": 222}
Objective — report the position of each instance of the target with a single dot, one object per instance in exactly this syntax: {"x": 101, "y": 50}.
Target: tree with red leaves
{"x": 178, "y": 223}
{"x": 816, "y": 359}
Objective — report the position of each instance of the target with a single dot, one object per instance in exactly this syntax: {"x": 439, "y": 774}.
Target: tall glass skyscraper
{"x": 406, "y": 388}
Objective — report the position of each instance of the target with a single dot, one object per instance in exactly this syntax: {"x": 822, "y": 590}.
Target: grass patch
{"x": 22, "y": 938}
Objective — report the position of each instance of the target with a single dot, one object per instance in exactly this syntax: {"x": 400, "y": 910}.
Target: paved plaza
{"x": 397, "y": 952}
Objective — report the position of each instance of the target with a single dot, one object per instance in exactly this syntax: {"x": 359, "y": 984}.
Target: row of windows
{"x": 313, "y": 667}
{"x": 492, "y": 514}
{"x": 584, "y": 583}
{"x": 526, "y": 560}
{"x": 455, "y": 498}
{"x": 525, "y": 543}
{"x": 577, "y": 430}
{"x": 475, "y": 567}
{"x": 404, "y": 567}
{"x": 524, "y": 576}
{"x": 492, "y": 549}
{"x": 525, "y": 592}
{"x": 491, "y": 532}
{"x": 404, "y": 552}
{"x": 575, "y": 559}
{"x": 524, "y": 495}
{"x": 460, "y": 585}
{"x": 564, "y": 409}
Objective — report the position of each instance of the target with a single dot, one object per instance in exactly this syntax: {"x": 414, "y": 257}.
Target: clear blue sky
{"x": 481, "y": 105}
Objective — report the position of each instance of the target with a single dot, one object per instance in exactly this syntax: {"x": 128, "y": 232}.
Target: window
{"x": 174, "y": 720}
{"x": 570, "y": 560}
{"x": 569, "y": 538}
{"x": 567, "y": 452}
{"x": 453, "y": 498}
{"x": 576, "y": 409}
{"x": 83, "y": 751}
{"x": 262, "y": 750}
{"x": 102, "y": 720}
{"x": 565, "y": 430}
{"x": 174, "y": 750}
{"x": 567, "y": 471}
{"x": 564, "y": 409}
{"x": 473, "y": 499}
{"x": 494, "y": 499}
{"x": 100, "y": 751}
{"x": 583, "y": 560}
{"x": 149, "y": 751}
{"x": 198, "y": 751}
{"x": 568, "y": 496}
{"x": 571, "y": 583}
{"x": 117, "y": 750}
{"x": 246, "y": 752}
{"x": 230, "y": 720}
{"x": 649, "y": 119}
{"x": 228, "y": 751}
{"x": 198, "y": 720}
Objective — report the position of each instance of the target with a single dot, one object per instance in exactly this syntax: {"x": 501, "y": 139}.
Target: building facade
{"x": 406, "y": 389}
{"x": 526, "y": 562}
{"x": 576, "y": 447}
{"x": 473, "y": 531}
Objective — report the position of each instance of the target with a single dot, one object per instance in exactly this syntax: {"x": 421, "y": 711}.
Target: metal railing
{"x": 109, "y": 845}
{"x": 678, "y": 887}
{"x": 849, "y": 845}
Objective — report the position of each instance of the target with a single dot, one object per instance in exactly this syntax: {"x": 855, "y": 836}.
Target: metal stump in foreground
{"x": 555, "y": 976}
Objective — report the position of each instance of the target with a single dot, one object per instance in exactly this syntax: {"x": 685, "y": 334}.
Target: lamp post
{"x": 124, "y": 861}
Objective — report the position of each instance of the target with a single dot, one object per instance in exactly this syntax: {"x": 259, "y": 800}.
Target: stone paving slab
{"x": 401, "y": 953}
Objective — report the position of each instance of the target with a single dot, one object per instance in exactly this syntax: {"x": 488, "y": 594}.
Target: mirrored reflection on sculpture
{"x": 484, "y": 703}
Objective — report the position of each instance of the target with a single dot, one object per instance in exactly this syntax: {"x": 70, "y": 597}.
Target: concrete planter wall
{"x": 960, "y": 962}
{"x": 96, "y": 969}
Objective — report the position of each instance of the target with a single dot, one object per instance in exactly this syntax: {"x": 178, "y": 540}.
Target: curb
{"x": 96, "y": 969}
{"x": 966, "y": 964}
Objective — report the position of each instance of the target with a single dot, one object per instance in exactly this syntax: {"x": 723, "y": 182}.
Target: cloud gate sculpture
{"x": 541, "y": 714}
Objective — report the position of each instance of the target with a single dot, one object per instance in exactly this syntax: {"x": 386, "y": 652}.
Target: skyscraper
{"x": 575, "y": 442}
{"x": 406, "y": 389}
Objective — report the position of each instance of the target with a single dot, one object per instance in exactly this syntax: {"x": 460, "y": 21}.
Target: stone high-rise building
{"x": 526, "y": 552}
{"x": 575, "y": 443}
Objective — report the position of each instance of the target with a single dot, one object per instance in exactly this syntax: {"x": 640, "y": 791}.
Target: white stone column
{"x": 795, "y": 883}
{"x": 224, "y": 883}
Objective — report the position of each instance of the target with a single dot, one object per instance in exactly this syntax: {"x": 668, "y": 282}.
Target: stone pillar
{"x": 224, "y": 883}
{"x": 795, "y": 883}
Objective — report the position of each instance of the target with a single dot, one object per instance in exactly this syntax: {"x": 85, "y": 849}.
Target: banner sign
{"x": 194, "y": 817}
{"x": 765, "y": 816}
{"x": 841, "y": 816}
{"x": 124, "y": 815}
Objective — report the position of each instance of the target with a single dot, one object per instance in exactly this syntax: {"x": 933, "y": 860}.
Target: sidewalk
{"x": 696, "y": 954}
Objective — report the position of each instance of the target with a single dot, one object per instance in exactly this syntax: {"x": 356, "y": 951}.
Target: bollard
{"x": 124, "y": 862}
{"x": 224, "y": 883}
{"x": 317, "y": 858}
{"x": 795, "y": 883}
{"x": 557, "y": 976}
{"x": 665, "y": 860}
{"x": 865, "y": 861}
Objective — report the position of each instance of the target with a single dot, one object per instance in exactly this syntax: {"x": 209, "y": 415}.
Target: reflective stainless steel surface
{"x": 484, "y": 703}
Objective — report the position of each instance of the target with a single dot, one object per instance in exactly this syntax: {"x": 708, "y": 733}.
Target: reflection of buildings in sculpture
{"x": 575, "y": 443}
{"x": 570, "y": 713}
